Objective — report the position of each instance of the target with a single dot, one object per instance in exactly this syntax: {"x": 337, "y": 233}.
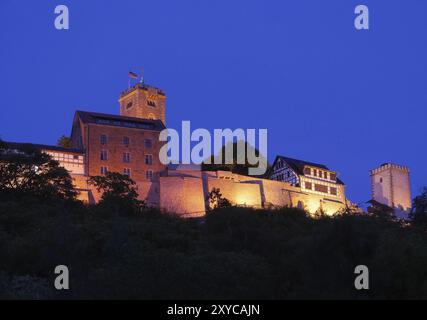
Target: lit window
{"x": 104, "y": 155}
{"x": 103, "y": 139}
{"x": 126, "y": 157}
{"x": 148, "y": 159}
{"x": 126, "y": 172}
{"x": 321, "y": 188}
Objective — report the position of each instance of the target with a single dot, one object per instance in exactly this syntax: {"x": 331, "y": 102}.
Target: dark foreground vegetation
{"x": 121, "y": 249}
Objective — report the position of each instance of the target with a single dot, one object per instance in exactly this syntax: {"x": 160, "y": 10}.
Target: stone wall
{"x": 182, "y": 195}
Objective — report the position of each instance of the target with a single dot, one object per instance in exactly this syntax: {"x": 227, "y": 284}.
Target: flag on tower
{"x": 133, "y": 75}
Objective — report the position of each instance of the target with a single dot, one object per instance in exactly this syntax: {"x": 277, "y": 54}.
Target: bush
{"x": 232, "y": 253}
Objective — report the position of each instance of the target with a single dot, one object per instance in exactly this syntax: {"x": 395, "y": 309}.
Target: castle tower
{"x": 391, "y": 186}
{"x": 143, "y": 101}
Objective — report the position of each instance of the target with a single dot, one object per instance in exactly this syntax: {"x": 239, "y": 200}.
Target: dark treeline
{"x": 121, "y": 249}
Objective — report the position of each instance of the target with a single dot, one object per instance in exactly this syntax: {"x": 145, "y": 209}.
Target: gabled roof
{"x": 298, "y": 166}
{"x": 119, "y": 121}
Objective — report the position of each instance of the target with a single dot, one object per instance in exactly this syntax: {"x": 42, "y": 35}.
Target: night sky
{"x": 326, "y": 92}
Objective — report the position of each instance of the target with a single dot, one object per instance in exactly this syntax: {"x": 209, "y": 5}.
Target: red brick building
{"x": 127, "y": 143}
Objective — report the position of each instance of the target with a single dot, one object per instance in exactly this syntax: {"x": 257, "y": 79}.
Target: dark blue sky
{"x": 326, "y": 92}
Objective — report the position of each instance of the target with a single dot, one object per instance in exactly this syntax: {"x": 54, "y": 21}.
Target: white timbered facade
{"x": 310, "y": 177}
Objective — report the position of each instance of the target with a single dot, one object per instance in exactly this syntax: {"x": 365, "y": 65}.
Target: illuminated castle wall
{"x": 129, "y": 144}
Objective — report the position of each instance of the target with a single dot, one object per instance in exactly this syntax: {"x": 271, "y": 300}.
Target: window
{"x": 307, "y": 171}
{"x": 126, "y": 172}
{"x": 148, "y": 159}
{"x": 129, "y": 105}
{"x": 151, "y": 103}
{"x": 334, "y": 191}
{"x": 149, "y": 174}
{"x": 104, "y": 155}
{"x": 104, "y": 170}
{"x": 333, "y": 176}
{"x": 126, "y": 141}
{"x": 315, "y": 172}
{"x": 76, "y": 157}
{"x": 103, "y": 139}
{"x": 126, "y": 157}
{"x": 321, "y": 188}
{"x": 325, "y": 175}
{"x": 148, "y": 143}
{"x": 308, "y": 185}
{"x": 381, "y": 180}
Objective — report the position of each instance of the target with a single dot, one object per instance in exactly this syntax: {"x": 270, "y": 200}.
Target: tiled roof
{"x": 298, "y": 165}
{"x": 120, "y": 121}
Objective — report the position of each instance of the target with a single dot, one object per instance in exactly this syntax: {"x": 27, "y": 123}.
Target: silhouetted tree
{"x": 381, "y": 211}
{"x": 419, "y": 209}
{"x": 65, "y": 142}
{"x": 234, "y": 167}
{"x": 3, "y": 144}
{"x": 216, "y": 200}
{"x": 31, "y": 172}
{"x": 117, "y": 190}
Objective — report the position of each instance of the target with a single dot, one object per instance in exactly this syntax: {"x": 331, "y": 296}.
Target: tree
{"x": 235, "y": 167}
{"x": 380, "y": 211}
{"x": 65, "y": 142}
{"x": 117, "y": 190}
{"x": 419, "y": 209}
{"x": 31, "y": 172}
{"x": 216, "y": 201}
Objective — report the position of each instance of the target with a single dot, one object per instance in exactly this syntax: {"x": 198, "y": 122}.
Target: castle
{"x": 129, "y": 144}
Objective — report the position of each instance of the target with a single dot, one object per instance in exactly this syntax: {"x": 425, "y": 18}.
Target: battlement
{"x": 388, "y": 166}
{"x": 141, "y": 86}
